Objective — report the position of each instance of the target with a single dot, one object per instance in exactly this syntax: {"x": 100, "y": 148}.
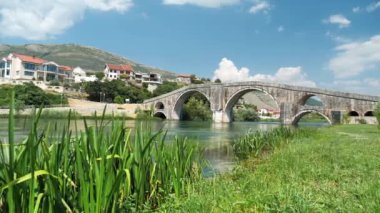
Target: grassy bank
{"x": 97, "y": 170}
{"x": 332, "y": 169}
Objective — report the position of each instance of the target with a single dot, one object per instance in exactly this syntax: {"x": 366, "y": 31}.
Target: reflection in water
{"x": 216, "y": 137}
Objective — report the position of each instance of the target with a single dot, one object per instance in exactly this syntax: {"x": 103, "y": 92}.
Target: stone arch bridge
{"x": 290, "y": 100}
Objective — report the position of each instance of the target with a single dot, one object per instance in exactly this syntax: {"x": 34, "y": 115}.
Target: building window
{"x": 51, "y": 68}
{"x": 29, "y": 66}
{"x": 7, "y": 72}
{"x": 28, "y": 73}
{"x": 2, "y": 65}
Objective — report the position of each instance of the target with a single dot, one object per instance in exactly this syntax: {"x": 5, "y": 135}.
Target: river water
{"x": 216, "y": 137}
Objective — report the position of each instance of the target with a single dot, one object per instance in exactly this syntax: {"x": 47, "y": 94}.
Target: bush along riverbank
{"x": 97, "y": 170}
{"x": 301, "y": 170}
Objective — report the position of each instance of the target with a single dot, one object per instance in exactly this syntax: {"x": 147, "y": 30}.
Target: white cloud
{"x": 337, "y": 38}
{"x": 203, "y": 3}
{"x": 356, "y": 9}
{"x": 280, "y": 29}
{"x": 228, "y": 72}
{"x": 369, "y": 86}
{"x": 260, "y": 6}
{"x": 374, "y": 6}
{"x": 40, "y": 19}
{"x": 338, "y": 19}
{"x": 356, "y": 57}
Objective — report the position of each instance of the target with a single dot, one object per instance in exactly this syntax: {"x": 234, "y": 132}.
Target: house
{"x": 119, "y": 71}
{"x": 183, "y": 78}
{"x": 151, "y": 79}
{"x": 23, "y": 67}
{"x": 81, "y": 76}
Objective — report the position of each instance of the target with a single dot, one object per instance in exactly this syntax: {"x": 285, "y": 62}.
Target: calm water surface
{"x": 217, "y": 137}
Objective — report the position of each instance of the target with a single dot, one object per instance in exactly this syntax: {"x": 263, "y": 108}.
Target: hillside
{"x": 88, "y": 58}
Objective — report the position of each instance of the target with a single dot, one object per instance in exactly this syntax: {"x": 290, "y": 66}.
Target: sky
{"x": 315, "y": 43}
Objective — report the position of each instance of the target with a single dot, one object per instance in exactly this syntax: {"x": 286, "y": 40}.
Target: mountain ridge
{"x": 89, "y": 58}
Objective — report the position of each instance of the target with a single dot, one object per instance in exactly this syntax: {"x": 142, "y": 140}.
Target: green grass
{"x": 334, "y": 169}
{"x": 97, "y": 170}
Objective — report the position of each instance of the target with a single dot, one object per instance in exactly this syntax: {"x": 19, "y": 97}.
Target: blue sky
{"x": 329, "y": 44}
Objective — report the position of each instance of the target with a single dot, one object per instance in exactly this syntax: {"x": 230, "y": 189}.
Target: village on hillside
{"x": 50, "y": 76}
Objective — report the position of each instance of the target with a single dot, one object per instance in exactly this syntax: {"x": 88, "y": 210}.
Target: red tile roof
{"x": 184, "y": 75}
{"x": 30, "y": 59}
{"x": 66, "y": 68}
{"x": 121, "y": 67}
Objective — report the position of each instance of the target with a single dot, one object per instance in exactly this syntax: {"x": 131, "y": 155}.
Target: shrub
{"x": 119, "y": 100}
{"x": 377, "y": 115}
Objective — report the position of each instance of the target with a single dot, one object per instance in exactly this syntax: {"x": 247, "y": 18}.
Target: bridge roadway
{"x": 289, "y": 99}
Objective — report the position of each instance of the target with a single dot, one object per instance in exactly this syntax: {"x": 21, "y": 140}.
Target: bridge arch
{"x": 311, "y": 100}
{"x": 159, "y": 105}
{"x": 369, "y": 114}
{"x": 299, "y": 115}
{"x": 353, "y": 113}
{"x": 233, "y": 99}
{"x": 180, "y": 101}
{"x": 160, "y": 115}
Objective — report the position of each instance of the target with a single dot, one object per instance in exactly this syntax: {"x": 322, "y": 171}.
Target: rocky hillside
{"x": 89, "y": 58}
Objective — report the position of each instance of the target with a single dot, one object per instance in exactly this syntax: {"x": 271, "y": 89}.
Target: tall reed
{"x": 101, "y": 169}
{"x": 254, "y": 143}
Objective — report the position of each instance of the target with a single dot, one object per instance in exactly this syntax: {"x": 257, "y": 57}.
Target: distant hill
{"x": 89, "y": 58}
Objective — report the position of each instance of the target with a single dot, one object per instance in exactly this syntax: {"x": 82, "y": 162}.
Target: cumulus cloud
{"x": 369, "y": 86}
{"x": 40, "y": 19}
{"x": 203, "y": 3}
{"x": 355, "y": 58}
{"x": 374, "y": 6}
{"x": 338, "y": 19}
{"x": 260, "y": 6}
{"x": 356, "y": 9}
{"x": 228, "y": 72}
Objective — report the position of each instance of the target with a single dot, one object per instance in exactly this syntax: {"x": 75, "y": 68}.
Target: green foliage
{"x": 197, "y": 108}
{"x": 332, "y": 169}
{"x": 98, "y": 170}
{"x": 217, "y": 81}
{"x": 346, "y": 118}
{"x": 377, "y": 115}
{"x": 165, "y": 87}
{"x": 118, "y": 99}
{"x": 29, "y": 95}
{"x": 247, "y": 112}
{"x": 108, "y": 90}
{"x": 99, "y": 75}
{"x": 55, "y": 82}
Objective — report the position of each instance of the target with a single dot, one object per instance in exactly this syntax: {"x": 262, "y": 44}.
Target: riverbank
{"x": 333, "y": 169}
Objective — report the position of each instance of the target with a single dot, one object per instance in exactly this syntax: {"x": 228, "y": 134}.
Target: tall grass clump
{"x": 254, "y": 143}
{"x": 102, "y": 169}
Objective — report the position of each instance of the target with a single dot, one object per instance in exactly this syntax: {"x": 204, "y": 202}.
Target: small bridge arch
{"x": 180, "y": 101}
{"x": 300, "y": 114}
{"x": 160, "y": 114}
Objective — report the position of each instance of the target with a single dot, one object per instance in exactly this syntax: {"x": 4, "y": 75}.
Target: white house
{"x": 116, "y": 71}
{"x": 81, "y": 76}
{"x": 184, "y": 79}
{"x": 24, "y": 67}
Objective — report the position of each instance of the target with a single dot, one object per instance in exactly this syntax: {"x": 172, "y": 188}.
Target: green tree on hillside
{"x": 165, "y": 87}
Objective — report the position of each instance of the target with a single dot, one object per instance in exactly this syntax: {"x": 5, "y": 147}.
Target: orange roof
{"x": 184, "y": 75}
{"x": 66, "y": 68}
{"x": 121, "y": 67}
{"x": 30, "y": 59}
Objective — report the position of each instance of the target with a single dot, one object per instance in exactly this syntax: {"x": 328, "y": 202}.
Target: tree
{"x": 118, "y": 99}
{"x": 248, "y": 112}
{"x": 377, "y": 115}
{"x": 197, "y": 108}
{"x": 165, "y": 87}
{"x": 217, "y": 81}
{"x": 99, "y": 75}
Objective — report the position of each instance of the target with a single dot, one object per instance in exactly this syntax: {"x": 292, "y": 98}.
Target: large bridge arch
{"x": 233, "y": 99}
{"x": 180, "y": 101}
{"x": 300, "y": 114}
{"x": 304, "y": 99}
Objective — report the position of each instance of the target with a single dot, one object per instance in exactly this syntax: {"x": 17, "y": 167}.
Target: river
{"x": 217, "y": 137}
